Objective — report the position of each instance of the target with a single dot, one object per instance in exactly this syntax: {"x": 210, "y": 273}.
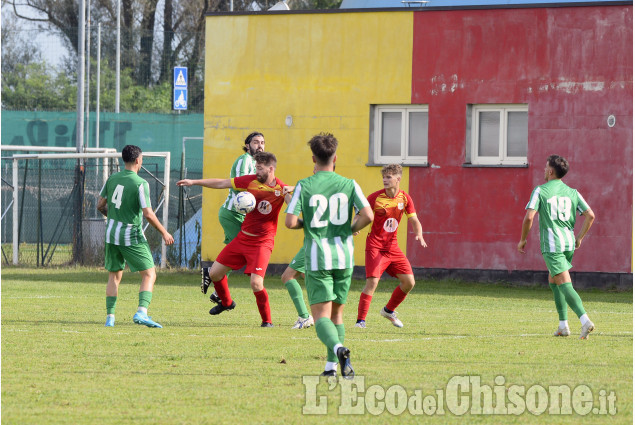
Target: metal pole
{"x": 166, "y": 203}
{"x": 118, "y": 57}
{"x": 15, "y": 212}
{"x": 98, "y": 85}
{"x": 87, "y": 139}
{"x": 80, "y": 79}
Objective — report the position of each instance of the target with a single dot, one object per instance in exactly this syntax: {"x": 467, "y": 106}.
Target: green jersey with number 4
{"x": 127, "y": 194}
{"x": 556, "y": 204}
{"x": 326, "y": 202}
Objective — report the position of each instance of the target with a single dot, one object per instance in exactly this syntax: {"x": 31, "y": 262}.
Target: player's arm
{"x": 416, "y": 226}
{"x": 364, "y": 217}
{"x": 589, "y": 216}
{"x": 149, "y": 215}
{"x": 292, "y": 221}
{"x": 102, "y": 206}
{"x": 211, "y": 183}
{"x": 528, "y": 221}
{"x": 287, "y": 191}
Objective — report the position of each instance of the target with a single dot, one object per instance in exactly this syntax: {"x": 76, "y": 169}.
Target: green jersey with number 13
{"x": 326, "y": 202}
{"x": 556, "y": 204}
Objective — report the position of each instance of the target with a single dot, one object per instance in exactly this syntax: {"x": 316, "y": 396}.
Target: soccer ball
{"x": 245, "y": 202}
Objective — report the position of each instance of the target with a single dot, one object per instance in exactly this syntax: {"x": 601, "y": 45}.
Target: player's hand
{"x": 357, "y": 233}
{"x": 184, "y": 182}
{"x": 578, "y": 242}
{"x": 288, "y": 189}
{"x": 422, "y": 241}
{"x": 521, "y": 246}
{"x": 169, "y": 240}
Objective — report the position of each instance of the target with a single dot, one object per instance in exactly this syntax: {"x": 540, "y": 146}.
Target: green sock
{"x": 144, "y": 298}
{"x": 110, "y": 304}
{"x": 561, "y": 302}
{"x": 295, "y": 292}
{"x": 572, "y": 297}
{"x": 327, "y": 332}
{"x": 341, "y": 333}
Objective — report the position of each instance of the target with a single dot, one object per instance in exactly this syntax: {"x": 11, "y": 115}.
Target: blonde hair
{"x": 392, "y": 169}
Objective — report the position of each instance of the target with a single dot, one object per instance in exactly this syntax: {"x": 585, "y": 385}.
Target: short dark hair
{"x": 323, "y": 146}
{"x": 129, "y": 153}
{"x": 266, "y": 158}
{"x": 251, "y": 136}
{"x": 559, "y": 165}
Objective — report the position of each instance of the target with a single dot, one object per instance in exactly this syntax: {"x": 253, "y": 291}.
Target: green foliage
{"x": 35, "y": 86}
{"x": 62, "y": 366}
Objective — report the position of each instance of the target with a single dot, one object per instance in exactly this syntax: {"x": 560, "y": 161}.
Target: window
{"x": 399, "y": 135}
{"x": 498, "y": 134}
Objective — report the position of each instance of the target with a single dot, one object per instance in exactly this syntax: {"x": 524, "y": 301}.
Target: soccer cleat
{"x": 587, "y": 328}
{"x": 110, "y": 321}
{"x": 206, "y": 281}
{"x": 303, "y": 323}
{"x": 266, "y": 325}
{"x": 219, "y": 308}
{"x": 143, "y": 319}
{"x": 562, "y": 331}
{"x": 360, "y": 324}
{"x": 215, "y": 298}
{"x": 344, "y": 356}
{"x": 329, "y": 373}
{"x": 392, "y": 317}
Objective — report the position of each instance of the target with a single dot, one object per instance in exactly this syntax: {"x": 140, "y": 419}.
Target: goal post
{"x": 111, "y": 153}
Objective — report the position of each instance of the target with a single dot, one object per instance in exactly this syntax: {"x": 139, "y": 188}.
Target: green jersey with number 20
{"x": 127, "y": 194}
{"x": 556, "y": 204}
{"x": 326, "y": 202}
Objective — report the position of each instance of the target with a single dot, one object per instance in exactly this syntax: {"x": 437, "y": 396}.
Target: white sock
{"x": 110, "y": 315}
{"x": 336, "y": 347}
{"x": 584, "y": 318}
{"x": 564, "y": 323}
{"x": 143, "y": 310}
{"x": 330, "y": 366}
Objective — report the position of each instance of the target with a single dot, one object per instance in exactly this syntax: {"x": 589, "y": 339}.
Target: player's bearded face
{"x": 257, "y": 144}
{"x": 262, "y": 173}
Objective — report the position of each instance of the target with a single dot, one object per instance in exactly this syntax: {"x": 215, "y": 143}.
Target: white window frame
{"x": 405, "y": 141}
{"x": 502, "y": 158}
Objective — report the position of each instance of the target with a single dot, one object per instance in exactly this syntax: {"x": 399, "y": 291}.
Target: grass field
{"x": 60, "y": 365}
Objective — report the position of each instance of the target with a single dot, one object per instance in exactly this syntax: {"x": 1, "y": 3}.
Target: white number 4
{"x": 117, "y": 195}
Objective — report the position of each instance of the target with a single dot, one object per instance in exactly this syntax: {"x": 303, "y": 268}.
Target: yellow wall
{"x": 325, "y": 70}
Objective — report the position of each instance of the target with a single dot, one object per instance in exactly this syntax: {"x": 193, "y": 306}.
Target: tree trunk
{"x": 167, "y": 61}
{"x": 144, "y": 77}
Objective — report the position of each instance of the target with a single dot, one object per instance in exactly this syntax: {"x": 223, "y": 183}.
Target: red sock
{"x": 395, "y": 299}
{"x": 223, "y": 291}
{"x": 262, "y": 299}
{"x": 363, "y": 306}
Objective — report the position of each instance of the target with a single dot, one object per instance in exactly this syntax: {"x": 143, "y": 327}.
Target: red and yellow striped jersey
{"x": 388, "y": 212}
{"x": 263, "y": 220}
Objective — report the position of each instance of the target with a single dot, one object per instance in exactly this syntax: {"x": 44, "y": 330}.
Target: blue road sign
{"x": 180, "y": 99}
{"x": 180, "y": 77}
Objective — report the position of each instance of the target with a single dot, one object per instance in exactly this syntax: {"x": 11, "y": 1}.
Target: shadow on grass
{"x": 237, "y": 279}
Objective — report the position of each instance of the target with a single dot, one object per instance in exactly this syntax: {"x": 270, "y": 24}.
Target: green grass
{"x": 61, "y": 366}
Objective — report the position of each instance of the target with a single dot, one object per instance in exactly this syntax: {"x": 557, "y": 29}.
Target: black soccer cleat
{"x": 219, "y": 308}
{"x": 329, "y": 373}
{"x": 206, "y": 281}
{"x": 266, "y": 325}
{"x": 344, "y": 356}
{"x": 215, "y": 298}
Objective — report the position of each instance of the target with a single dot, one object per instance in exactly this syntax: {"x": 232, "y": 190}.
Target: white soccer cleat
{"x": 587, "y": 328}
{"x": 564, "y": 331}
{"x": 303, "y": 323}
{"x": 392, "y": 317}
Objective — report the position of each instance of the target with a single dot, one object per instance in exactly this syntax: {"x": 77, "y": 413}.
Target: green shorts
{"x": 297, "y": 263}
{"x": 137, "y": 256}
{"x": 230, "y": 221}
{"x": 558, "y": 262}
{"x": 328, "y": 285}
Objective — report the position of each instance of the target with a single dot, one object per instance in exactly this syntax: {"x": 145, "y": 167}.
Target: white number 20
{"x": 560, "y": 208}
{"x": 338, "y": 209}
{"x": 117, "y": 195}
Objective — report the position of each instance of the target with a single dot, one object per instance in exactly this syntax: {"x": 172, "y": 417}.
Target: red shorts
{"x": 392, "y": 262}
{"x": 250, "y": 251}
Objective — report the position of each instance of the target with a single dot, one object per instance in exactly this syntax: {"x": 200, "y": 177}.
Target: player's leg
{"x": 114, "y": 263}
{"x": 139, "y": 259}
{"x": 561, "y": 308}
{"x": 257, "y": 253}
{"x": 375, "y": 262}
{"x": 296, "y": 267}
{"x": 218, "y": 276}
{"x": 262, "y": 299}
{"x": 341, "y": 287}
{"x": 400, "y": 268}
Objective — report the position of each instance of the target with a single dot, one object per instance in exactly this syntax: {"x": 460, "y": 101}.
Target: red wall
{"x": 573, "y": 67}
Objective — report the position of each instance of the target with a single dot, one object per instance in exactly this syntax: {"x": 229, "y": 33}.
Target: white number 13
{"x": 560, "y": 208}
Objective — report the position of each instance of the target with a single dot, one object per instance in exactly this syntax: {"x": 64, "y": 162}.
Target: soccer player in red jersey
{"x": 253, "y": 245}
{"x": 382, "y": 249}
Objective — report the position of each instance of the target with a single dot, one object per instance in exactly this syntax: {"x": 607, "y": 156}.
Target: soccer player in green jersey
{"x": 557, "y": 204}
{"x": 326, "y": 200}
{"x": 124, "y": 200}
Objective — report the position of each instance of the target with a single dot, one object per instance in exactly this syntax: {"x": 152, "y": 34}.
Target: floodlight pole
{"x": 81, "y": 45}
{"x": 166, "y": 200}
{"x": 16, "y": 242}
{"x": 118, "y": 57}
